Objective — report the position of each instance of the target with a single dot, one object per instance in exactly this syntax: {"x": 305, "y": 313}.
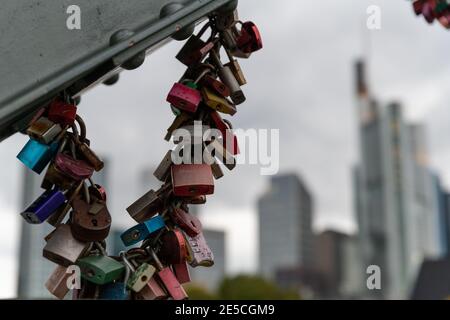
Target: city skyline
{"x": 318, "y": 126}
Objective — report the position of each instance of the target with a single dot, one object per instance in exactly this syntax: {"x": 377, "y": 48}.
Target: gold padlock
{"x": 218, "y": 103}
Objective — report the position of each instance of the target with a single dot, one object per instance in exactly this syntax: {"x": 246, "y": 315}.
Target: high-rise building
{"x": 394, "y": 194}
{"x": 330, "y": 261}
{"x": 286, "y": 239}
{"x": 34, "y": 269}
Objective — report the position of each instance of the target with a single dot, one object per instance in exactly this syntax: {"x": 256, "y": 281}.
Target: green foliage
{"x": 247, "y": 287}
{"x": 242, "y": 287}
{"x": 197, "y": 292}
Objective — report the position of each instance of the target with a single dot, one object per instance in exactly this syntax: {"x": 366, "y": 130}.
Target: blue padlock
{"x": 142, "y": 231}
{"x": 36, "y": 155}
{"x": 44, "y": 206}
{"x": 114, "y": 291}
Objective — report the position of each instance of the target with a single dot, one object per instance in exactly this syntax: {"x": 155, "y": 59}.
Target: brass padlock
{"x": 44, "y": 130}
{"x": 218, "y": 103}
{"x": 91, "y": 222}
{"x": 236, "y": 69}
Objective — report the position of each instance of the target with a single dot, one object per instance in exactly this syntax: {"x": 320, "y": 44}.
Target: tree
{"x": 247, "y": 287}
{"x": 197, "y": 292}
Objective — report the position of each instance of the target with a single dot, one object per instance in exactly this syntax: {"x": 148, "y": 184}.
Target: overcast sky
{"x": 301, "y": 83}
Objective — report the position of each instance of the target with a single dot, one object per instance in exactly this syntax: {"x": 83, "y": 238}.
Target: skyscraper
{"x": 34, "y": 269}
{"x": 285, "y": 225}
{"x": 394, "y": 197}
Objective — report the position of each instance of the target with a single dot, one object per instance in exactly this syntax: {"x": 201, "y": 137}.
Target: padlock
{"x": 44, "y": 130}
{"x": 215, "y": 167}
{"x": 228, "y": 78}
{"x": 62, "y": 248}
{"x": 177, "y": 123}
{"x": 237, "y": 71}
{"x": 36, "y": 156}
{"x": 168, "y": 279}
{"x": 226, "y": 20}
{"x": 249, "y": 39}
{"x": 57, "y": 282}
{"x": 100, "y": 269}
{"x": 163, "y": 169}
{"x": 114, "y": 291}
{"x": 199, "y": 253}
{"x": 195, "y": 49}
{"x": 190, "y": 224}
{"x": 58, "y": 216}
{"x": 216, "y": 85}
{"x": 143, "y": 230}
{"x": 151, "y": 291}
{"x": 229, "y": 139}
{"x": 190, "y": 180}
{"x": 90, "y": 222}
{"x": 184, "y": 97}
{"x": 44, "y": 206}
{"x": 62, "y": 112}
{"x": 75, "y": 169}
{"x": 140, "y": 276}
{"x": 173, "y": 248}
{"x": 181, "y": 271}
{"x": 150, "y": 204}
{"x": 217, "y": 102}
{"x": 54, "y": 177}
{"x": 88, "y": 154}
{"x": 219, "y": 151}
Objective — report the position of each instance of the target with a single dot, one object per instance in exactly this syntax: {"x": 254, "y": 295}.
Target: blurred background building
{"x": 395, "y": 201}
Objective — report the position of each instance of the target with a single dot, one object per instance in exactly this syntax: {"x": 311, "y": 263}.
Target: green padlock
{"x": 100, "y": 269}
{"x": 141, "y": 277}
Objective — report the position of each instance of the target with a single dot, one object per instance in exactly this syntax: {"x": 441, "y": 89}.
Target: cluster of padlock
{"x": 171, "y": 237}
{"x": 167, "y": 238}
{"x": 433, "y": 10}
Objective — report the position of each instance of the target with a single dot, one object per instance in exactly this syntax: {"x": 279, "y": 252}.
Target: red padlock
{"x": 227, "y": 134}
{"x": 250, "y": 39}
{"x": 190, "y": 224}
{"x": 191, "y": 180}
{"x": 173, "y": 247}
{"x": 184, "y": 97}
{"x": 75, "y": 169}
{"x": 62, "y": 113}
{"x": 181, "y": 271}
{"x": 168, "y": 279}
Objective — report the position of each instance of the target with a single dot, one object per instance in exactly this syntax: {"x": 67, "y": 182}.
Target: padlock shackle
{"x": 82, "y": 126}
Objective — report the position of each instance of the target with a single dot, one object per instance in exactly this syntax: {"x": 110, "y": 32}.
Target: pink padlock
{"x": 184, "y": 98}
